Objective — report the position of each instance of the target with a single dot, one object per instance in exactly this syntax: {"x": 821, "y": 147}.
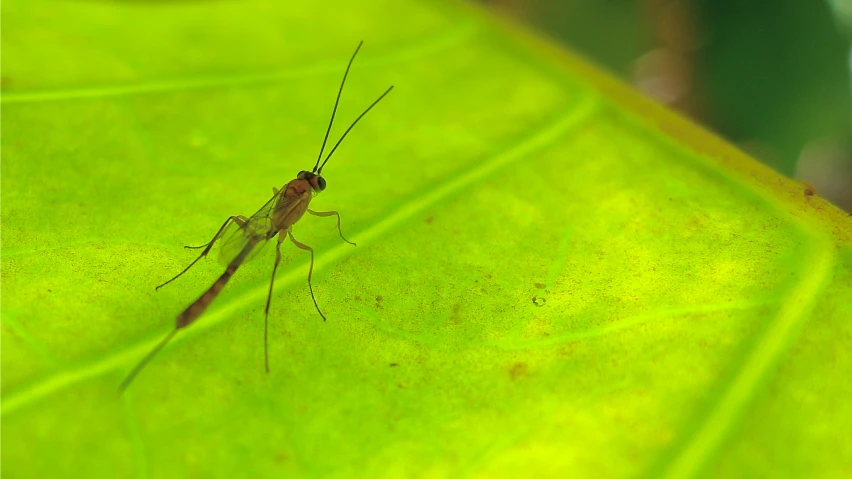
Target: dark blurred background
{"x": 773, "y": 77}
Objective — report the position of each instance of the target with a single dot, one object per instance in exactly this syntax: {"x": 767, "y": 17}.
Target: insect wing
{"x": 236, "y": 237}
{"x": 234, "y": 244}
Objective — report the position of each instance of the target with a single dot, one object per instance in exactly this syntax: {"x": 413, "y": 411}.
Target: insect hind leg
{"x": 239, "y": 220}
{"x": 268, "y": 301}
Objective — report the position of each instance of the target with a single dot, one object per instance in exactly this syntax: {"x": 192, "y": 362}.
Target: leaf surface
{"x": 553, "y": 277}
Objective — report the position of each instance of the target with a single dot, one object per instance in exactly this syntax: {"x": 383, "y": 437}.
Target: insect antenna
{"x": 319, "y": 172}
{"x": 333, "y": 111}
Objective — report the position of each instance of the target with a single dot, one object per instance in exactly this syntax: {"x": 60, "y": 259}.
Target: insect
{"x": 242, "y": 238}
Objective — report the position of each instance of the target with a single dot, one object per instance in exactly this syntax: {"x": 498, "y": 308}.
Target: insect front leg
{"x": 332, "y": 213}
{"x": 239, "y": 220}
{"x": 310, "y": 271}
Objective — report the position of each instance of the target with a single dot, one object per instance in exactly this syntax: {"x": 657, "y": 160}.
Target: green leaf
{"x": 553, "y": 277}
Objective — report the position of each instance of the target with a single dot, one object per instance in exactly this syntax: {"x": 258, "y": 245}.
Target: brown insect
{"x": 244, "y": 237}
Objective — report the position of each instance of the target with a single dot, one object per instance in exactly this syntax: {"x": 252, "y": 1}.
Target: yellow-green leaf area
{"x": 553, "y": 277}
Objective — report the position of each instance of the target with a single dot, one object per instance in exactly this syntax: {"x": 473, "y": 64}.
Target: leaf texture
{"x": 553, "y": 277}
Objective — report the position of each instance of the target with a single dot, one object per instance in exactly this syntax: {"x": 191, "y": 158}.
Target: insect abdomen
{"x": 190, "y": 314}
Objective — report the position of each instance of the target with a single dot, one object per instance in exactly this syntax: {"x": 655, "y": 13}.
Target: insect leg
{"x": 268, "y": 301}
{"x": 239, "y": 220}
{"x": 332, "y": 213}
{"x": 310, "y": 271}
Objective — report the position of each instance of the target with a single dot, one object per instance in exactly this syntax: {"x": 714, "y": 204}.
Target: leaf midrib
{"x": 218, "y": 314}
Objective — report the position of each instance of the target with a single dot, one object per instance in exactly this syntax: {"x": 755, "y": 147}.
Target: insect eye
{"x": 321, "y": 183}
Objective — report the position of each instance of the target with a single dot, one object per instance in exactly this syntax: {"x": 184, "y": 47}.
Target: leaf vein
{"x": 756, "y": 368}
{"x": 574, "y": 116}
{"x": 430, "y": 45}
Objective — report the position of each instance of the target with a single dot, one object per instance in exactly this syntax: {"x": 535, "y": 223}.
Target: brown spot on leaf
{"x": 429, "y": 220}
{"x": 540, "y": 285}
{"x": 519, "y": 370}
{"x": 455, "y": 317}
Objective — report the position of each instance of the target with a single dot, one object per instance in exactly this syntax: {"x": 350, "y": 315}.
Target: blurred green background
{"x": 771, "y": 77}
